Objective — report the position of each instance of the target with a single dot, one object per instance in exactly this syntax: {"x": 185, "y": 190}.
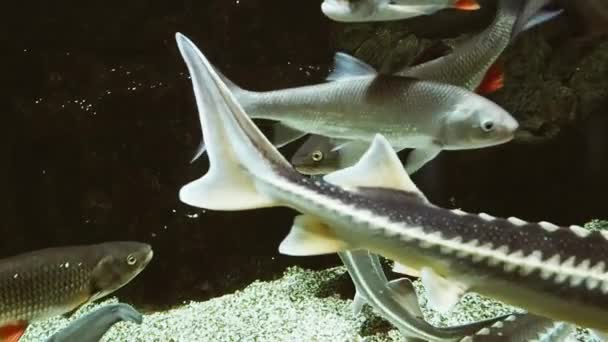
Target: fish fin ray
{"x": 378, "y": 167}
{"x": 310, "y": 236}
{"x": 200, "y": 150}
{"x": 405, "y": 293}
{"x": 442, "y": 294}
{"x": 532, "y": 15}
{"x": 238, "y": 152}
{"x": 466, "y": 5}
{"x": 13, "y": 332}
{"x": 419, "y": 157}
{"x": 347, "y": 66}
{"x": 283, "y": 135}
{"x": 404, "y": 269}
{"x": 493, "y": 80}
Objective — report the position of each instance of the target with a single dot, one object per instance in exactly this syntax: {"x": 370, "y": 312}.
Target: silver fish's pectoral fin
{"x": 442, "y": 294}
{"x": 404, "y": 269}
{"x": 419, "y": 157}
{"x": 378, "y": 167}
{"x": 347, "y": 66}
{"x": 232, "y": 142}
{"x": 310, "y": 236}
{"x": 283, "y": 135}
{"x": 404, "y": 292}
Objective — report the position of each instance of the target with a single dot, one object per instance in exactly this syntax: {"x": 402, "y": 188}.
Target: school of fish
{"x": 365, "y": 204}
{"x": 354, "y": 195}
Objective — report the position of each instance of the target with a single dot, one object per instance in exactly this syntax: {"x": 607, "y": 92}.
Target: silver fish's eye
{"x": 487, "y": 126}
{"x": 131, "y": 260}
{"x": 317, "y": 156}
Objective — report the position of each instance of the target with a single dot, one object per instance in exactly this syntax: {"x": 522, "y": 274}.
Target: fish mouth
{"x": 148, "y": 257}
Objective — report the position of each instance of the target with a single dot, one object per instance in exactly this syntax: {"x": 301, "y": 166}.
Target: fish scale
{"x": 53, "y": 281}
{"x": 28, "y": 289}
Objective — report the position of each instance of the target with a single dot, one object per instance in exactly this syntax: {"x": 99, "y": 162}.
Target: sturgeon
{"x": 551, "y": 271}
{"x": 472, "y": 65}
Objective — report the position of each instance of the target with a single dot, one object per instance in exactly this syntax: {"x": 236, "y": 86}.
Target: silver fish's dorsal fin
{"x": 442, "y": 293}
{"x": 347, "y": 66}
{"x": 310, "y": 236}
{"x": 378, "y": 167}
{"x": 404, "y": 269}
{"x": 236, "y": 148}
{"x": 404, "y": 292}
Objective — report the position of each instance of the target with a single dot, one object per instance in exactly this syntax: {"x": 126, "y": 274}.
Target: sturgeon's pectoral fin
{"x": 404, "y": 292}
{"x": 442, "y": 294}
{"x": 358, "y": 303}
{"x": 283, "y": 135}
{"x": 419, "y": 157}
{"x": 378, "y": 167}
{"x": 347, "y": 66}
{"x": 310, "y": 236}
{"x": 12, "y": 332}
{"x": 404, "y": 269}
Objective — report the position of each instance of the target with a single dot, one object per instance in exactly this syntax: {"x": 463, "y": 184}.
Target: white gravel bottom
{"x": 288, "y": 309}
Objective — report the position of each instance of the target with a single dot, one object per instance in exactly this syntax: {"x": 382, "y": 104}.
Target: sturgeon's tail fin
{"x": 240, "y": 93}
{"x": 239, "y": 154}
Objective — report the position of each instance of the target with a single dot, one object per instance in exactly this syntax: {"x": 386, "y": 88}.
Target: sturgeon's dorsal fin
{"x": 441, "y": 293}
{"x": 347, "y": 66}
{"x": 379, "y": 167}
{"x": 310, "y": 236}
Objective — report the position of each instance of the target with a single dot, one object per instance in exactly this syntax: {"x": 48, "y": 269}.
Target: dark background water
{"x": 100, "y": 124}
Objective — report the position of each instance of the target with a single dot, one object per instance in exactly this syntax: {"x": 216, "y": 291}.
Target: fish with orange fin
{"x": 473, "y": 65}
{"x": 388, "y": 10}
{"x": 54, "y": 281}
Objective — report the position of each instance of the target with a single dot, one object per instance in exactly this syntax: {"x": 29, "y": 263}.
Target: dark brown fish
{"x": 53, "y": 281}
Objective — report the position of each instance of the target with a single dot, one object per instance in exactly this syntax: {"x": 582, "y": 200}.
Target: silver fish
{"x": 397, "y": 302}
{"x": 92, "y": 327}
{"x": 427, "y": 115}
{"x": 386, "y": 10}
{"x": 555, "y": 272}
{"x": 472, "y": 65}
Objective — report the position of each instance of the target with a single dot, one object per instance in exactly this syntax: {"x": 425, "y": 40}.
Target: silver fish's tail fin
{"x": 530, "y": 13}
{"x": 239, "y": 154}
